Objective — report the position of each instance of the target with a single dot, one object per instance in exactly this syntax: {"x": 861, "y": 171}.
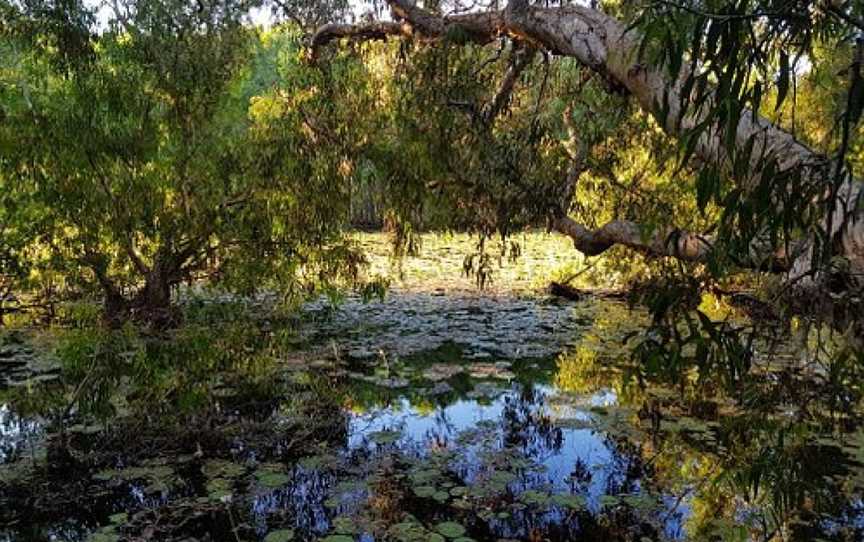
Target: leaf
{"x": 756, "y": 101}
{"x": 282, "y": 535}
{"x": 783, "y": 79}
{"x": 450, "y": 529}
{"x": 704, "y": 188}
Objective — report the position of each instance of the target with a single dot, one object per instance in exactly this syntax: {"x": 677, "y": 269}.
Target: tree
{"x": 158, "y": 152}
{"x": 704, "y": 71}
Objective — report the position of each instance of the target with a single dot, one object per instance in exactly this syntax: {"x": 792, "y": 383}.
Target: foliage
{"x": 168, "y": 153}
{"x": 746, "y": 57}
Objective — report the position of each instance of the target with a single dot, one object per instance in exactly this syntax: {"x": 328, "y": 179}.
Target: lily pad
{"x": 271, "y": 476}
{"x": 218, "y": 468}
{"x": 282, "y": 535}
{"x": 344, "y": 525}
{"x": 442, "y": 371}
{"x": 450, "y": 529}
{"x": 534, "y": 498}
{"x": 571, "y": 502}
{"x": 218, "y": 489}
{"x": 382, "y": 438}
{"x": 424, "y": 492}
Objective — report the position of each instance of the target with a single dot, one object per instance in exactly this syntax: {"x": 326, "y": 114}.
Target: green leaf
{"x": 282, "y": 535}
{"x": 450, "y": 529}
{"x": 783, "y": 79}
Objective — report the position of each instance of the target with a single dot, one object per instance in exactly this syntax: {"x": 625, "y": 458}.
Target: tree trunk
{"x": 153, "y": 301}
{"x": 603, "y": 44}
{"x": 150, "y": 304}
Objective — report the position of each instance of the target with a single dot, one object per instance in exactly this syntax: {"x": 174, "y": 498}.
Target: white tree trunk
{"x": 601, "y": 43}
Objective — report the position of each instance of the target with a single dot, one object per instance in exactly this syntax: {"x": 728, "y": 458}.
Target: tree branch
{"x": 611, "y": 49}
{"x": 379, "y": 30}
{"x": 665, "y": 242}
{"x": 412, "y": 21}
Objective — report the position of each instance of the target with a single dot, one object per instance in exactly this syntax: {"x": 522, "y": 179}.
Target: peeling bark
{"x": 665, "y": 242}
{"x": 603, "y": 44}
{"x": 669, "y": 242}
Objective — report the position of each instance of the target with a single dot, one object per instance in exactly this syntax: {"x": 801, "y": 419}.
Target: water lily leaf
{"x": 609, "y": 500}
{"x": 392, "y": 383}
{"x": 84, "y": 429}
{"x": 103, "y": 537}
{"x": 571, "y": 502}
{"x": 574, "y": 423}
{"x": 424, "y": 476}
{"x": 534, "y": 498}
{"x": 499, "y": 480}
{"x": 106, "y": 475}
{"x": 282, "y": 535}
{"x": 218, "y": 468}
{"x": 382, "y": 438}
{"x": 461, "y": 504}
{"x": 105, "y": 534}
{"x": 424, "y": 492}
{"x": 344, "y": 525}
{"x": 408, "y": 531}
{"x": 459, "y": 491}
{"x": 442, "y": 371}
{"x": 490, "y": 370}
{"x": 218, "y": 489}
{"x": 450, "y": 529}
{"x": 642, "y": 502}
{"x": 318, "y": 462}
{"x": 271, "y": 476}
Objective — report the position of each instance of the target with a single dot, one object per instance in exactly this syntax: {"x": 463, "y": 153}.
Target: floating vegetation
{"x": 450, "y": 529}
{"x": 438, "y": 429}
{"x": 282, "y": 535}
{"x": 271, "y": 476}
{"x": 155, "y": 478}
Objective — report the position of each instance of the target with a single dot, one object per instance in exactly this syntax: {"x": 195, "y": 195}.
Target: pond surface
{"x": 455, "y": 415}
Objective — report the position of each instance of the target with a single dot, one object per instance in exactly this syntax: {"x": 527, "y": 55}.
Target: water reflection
{"x": 558, "y": 449}
{"x": 551, "y": 448}
{"x": 17, "y": 435}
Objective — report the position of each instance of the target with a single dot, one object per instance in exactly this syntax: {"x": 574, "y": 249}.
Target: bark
{"x": 150, "y": 303}
{"x": 603, "y": 44}
{"x": 668, "y": 242}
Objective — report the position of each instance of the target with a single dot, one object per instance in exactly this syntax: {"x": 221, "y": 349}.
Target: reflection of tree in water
{"x": 624, "y": 471}
{"x": 776, "y": 466}
{"x": 527, "y": 427}
{"x": 580, "y": 477}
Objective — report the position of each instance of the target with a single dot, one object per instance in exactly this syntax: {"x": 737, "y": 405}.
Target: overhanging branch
{"x": 666, "y": 242}
{"x": 364, "y": 32}
{"x": 411, "y": 21}
{"x": 611, "y": 49}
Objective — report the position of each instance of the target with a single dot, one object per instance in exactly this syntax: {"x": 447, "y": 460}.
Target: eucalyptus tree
{"x": 721, "y": 78}
{"x": 157, "y": 151}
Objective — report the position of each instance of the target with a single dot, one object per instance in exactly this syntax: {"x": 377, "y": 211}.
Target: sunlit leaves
{"x": 734, "y": 59}
{"x": 189, "y": 145}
